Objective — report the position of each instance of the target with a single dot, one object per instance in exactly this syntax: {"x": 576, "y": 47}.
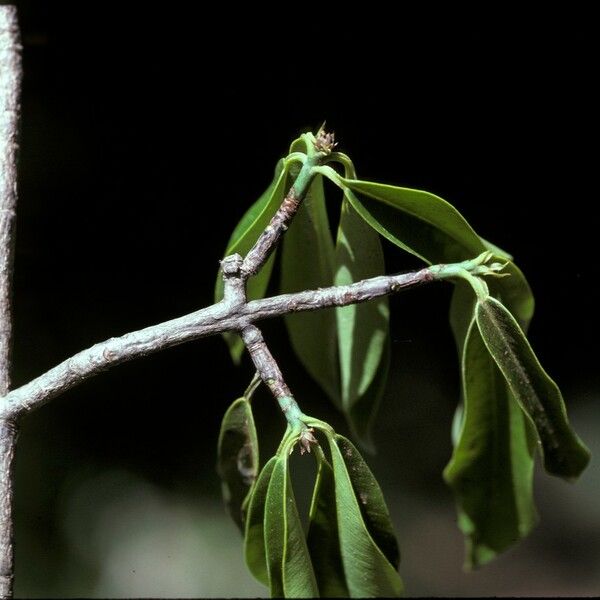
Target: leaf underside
{"x": 362, "y": 329}
{"x": 254, "y": 539}
{"x": 237, "y": 457}
{"x": 307, "y": 262}
{"x": 491, "y": 470}
{"x": 368, "y": 571}
{"x": 565, "y": 455}
{"x": 323, "y": 536}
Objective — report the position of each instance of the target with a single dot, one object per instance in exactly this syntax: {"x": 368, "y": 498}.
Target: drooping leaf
{"x": 362, "y": 329}
{"x": 237, "y": 457}
{"x": 491, "y": 470}
{"x": 372, "y": 503}
{"x": 363, "y": 412}
{"x": 369, "y": 572}
{"x": 323, "y": 536}
{"x": 254, "y": 538}
{"x": 307, "y": 262}
{"x": 290, "y": 569}
{"x": 565, "y": 454}
{"x": 244, "y": 236}
{"x": 496, "y": 431}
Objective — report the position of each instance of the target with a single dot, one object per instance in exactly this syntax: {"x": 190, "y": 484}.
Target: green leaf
{"x": 254, "y": 539}
{"x": 492, "y": 410}
{"x": 565, "y": 454}
{"x": 365, "y": 532}
{"x": 291, "y": 573}
{"x": 242, "y": 239}
{"x": 308, "y": 263}
{"x": 419, "y": 222}
{"x": 491, "y": 470}
{"x": 372, "y": 503}
{"x": 432, "y": 229}
{"x": 362, "y": 329}
{"x": 237, "y": 457}
{"x": 323, "y": 537}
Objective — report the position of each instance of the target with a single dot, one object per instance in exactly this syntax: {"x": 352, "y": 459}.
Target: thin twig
{"x": 267, "y": 242}
{"x": 270, "y": 373}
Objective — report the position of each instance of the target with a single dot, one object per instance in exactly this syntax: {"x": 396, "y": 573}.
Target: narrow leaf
{"x": 237, "y": 457}
{"x": 244, "y": 236}
{"x": 491, "y": 470}
{"x": 362, "y": 329}
{"x": 323, "y": 537}
{"x": 254, "y": 539}
{"x": 565, "y": 454}
{"x": 369, "y": 573}
{"x": 372, "y": 503}
{"x": 308, "y": 263}
{"x": 290, "y": 570}
{"x": 363, "y": 412}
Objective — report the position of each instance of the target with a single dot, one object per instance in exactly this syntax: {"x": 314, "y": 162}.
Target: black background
{"x": 147, "y": 132}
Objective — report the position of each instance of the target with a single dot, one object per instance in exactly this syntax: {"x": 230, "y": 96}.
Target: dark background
{"x": 145, "y": 135}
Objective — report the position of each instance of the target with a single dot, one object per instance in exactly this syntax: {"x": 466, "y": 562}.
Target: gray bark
{"x": 232, "y": 314}
{"x": 10, "y": 83}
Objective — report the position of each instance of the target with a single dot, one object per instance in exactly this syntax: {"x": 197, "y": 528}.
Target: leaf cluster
{"x": 509, "y": 409}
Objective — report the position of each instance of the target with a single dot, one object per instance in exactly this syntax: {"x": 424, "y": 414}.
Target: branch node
{"x": 232, "y": 265}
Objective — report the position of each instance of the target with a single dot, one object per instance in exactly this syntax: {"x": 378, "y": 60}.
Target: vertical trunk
{"x": 8, "y": 438}
{"x": 10, "y": 79}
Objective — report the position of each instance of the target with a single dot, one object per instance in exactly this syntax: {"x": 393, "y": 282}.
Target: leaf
{"x": 372, "y": 504}
{"x": 432, "y": 229}
{"x": 242, "y": 239}
{"x": 362, "y": 526}
{"x": 323, "y": 538}
{"x": 237, "y": 457}
{"x": 497, "y": 430}
{"x": 419, "y": 222}
{"x": 491, "y": 470}
{"x": 254, "y": 539}
{"x": 565, "y": 454}
{"x": 362, "y": 329}
{"x": 363, "y": 413}
{"x": 290, "y": 570}
{"x": 308, "y": 263}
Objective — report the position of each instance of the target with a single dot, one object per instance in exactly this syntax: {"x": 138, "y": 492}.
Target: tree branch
{"x": 259, "y": 253}
{"x": 10, "y": 85}
{"x": 231, "y": 314}
{"x": 269, "y": 371}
